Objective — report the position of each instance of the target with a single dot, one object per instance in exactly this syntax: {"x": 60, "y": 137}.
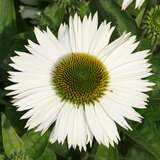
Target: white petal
{"x": 32, "y": 99}
{"x": 126, "y": 3}
{"x": 31, "y": 63}
{"x": 107, "y": 123}
{"x": 71, "y": 124}
{"x": 101, "y": 38}
{"x": 95, "y": 126}
{"x": 63, "y": 37}
{"x": 139, "y": 3}
{"x": 80, "y": 34}
{"x": 48, "y": 119}
{"x": 126, "y": 47}
{"x": 110, "y": 108}
{"x": 49, "y": 46}
{"x": 107, "y": 51}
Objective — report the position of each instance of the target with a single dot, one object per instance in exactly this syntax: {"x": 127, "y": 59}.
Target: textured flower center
{"x": 80, "y": 79}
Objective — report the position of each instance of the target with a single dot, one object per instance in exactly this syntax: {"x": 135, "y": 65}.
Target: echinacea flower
{"x": 81, "y": 82}
{"x": 126, "y": 3}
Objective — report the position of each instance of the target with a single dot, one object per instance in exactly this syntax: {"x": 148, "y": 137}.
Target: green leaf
{"x": 109, "y": 10}
{"x": 20, "y": 40}
{"x": 52, "y": 17}
{"x": 60, "y": 149}
{"x": 104, "y": 153}
{"x": 147, "y": 135}
{"x": 35, "y": 144}
{"x": 137, "y": 153}
{"x": 145, "y": 43}
{"x": 48, "y": 154}
{"x": 140, "y": 16}
{"x": 2, "y": 157}
{"x": 7, "y": 25}
{"x": 14, "y": 118}
{"x": 83, "y": 9}
{"x": 155, "y": 59}
{"x": 12, "y": 143}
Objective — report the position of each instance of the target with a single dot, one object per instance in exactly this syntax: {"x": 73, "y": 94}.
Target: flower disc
{"x": 80, "y": 79}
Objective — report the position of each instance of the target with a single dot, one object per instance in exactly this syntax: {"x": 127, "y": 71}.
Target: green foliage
{"x": 2, "y": 157}
{"x": 30, "y": 147}
{"x": 59, "y": 149}
{"x": 154, "y": 103}
{"x": 104, "y": 153}
{"x": 48, "y": 154}
{"x": 52, "y": 17}
{"x": 11, "y": 141}
{"x": 109, "y": 10}
{"x": 147, "y": 135}
{"x": 7, "y": 25}
{"x": 138, "y": 153}
{"x": 35, "y": 144}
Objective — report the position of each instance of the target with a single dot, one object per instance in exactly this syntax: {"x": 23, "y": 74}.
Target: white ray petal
{"x": 125, "y": 111}
{"x": 126, "y": 3}
{"x": 38, "y": 116}
{"x": 52, "y": 51}
{"x": 63, "y": 37}
{"x": 72, "y": 35}
{"x": 31, "y": 92}
{"x": 48, "y": 40}
{"x": 107, "y": 123}
{"x": 136, "y": 103}
{"x": 60, "y": 130}
{"x": 95, "y": 127}
{"x": 128, "y": 46}
{"x": 108, "y": 106}
{"x": 51, "y": 116}
{"x": 139, "y": 3}
{"x": 101, "y": 38}
{"x": 109, "y": 49}
{"x": 30, "y": 63}
{"x": 70, "y": 124}
{"x": 89, "y": 29}
{"x": 34, "y": 98}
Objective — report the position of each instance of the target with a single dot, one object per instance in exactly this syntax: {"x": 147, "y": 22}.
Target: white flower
{"x": 81, "y": 82}
{"x": 126, "y": 3}
{"x": 29, "y": 12}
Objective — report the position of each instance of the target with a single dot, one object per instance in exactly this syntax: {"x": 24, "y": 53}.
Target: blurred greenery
{"x": 16, "y": 143}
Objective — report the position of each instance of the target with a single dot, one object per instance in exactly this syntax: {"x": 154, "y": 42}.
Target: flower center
{"x": 80, "y": 79}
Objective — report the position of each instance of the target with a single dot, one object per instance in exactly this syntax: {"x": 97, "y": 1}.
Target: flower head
{"x": 151, "y": 23}
{"x": 81, "y": 82}
{"x": 126, "y": 3}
